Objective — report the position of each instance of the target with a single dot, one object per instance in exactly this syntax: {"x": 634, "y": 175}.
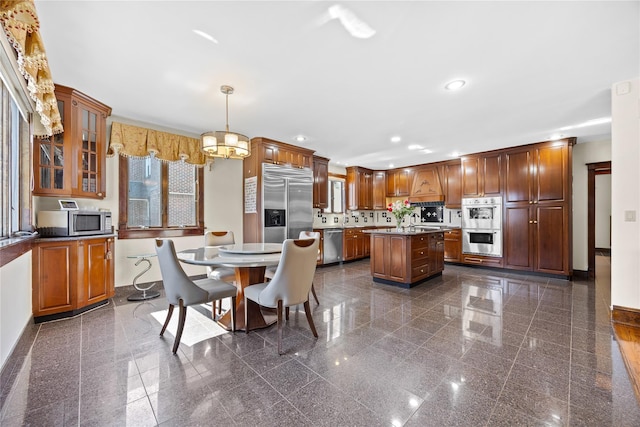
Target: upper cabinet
{"x": 451, "y": 180}
{"x": 359, "y": 188}
{"x": 482, "y": 175}
{"x": 426, "y": 186}
{"x": 279, "y": 153}
{"x": 73, "y": 163}
{"x": 379, "y": 190}
{"x": 399, "y": 182}
{"x": 320, "y": 182}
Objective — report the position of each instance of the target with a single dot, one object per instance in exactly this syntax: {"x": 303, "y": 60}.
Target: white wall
{"x": 603, "y": 211}
{"x": 625, "y": 193}
{"x": 583, "y": 153}
{"x": 15, "y": 302}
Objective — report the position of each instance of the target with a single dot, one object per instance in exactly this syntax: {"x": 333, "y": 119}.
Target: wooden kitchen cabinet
{"x": 451, "y": 180}
{"x": 359, "y": 188}
{"x": 280, "y": 153}
{"x": 453, "y": 245}
{"x": 379, "y": 190}
{"x": 320, "y": 182}
{"x": 482, "y": 175}
{"x": 321, "y": 246}
{"x": 406, "y": 260}
{"x": 73, "y": 163}
{"x": 71, "y": 275}
{"x": 399, "y": 182}
{"x": 355, "y": 244}
{"x": 436, "y": 252}
{"x": 537, "y": 200}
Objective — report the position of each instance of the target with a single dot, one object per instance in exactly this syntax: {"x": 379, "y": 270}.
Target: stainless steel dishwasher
{"x": 332, "y": 248}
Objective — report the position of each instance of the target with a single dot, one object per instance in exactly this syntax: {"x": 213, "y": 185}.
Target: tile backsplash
{"x": 381, "y": 218}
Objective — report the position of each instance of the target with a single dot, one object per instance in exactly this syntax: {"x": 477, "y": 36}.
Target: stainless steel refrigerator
{"x": 287, "y": 199}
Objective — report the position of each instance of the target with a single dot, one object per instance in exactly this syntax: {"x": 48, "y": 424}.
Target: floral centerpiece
{"x": 400, "y": 210}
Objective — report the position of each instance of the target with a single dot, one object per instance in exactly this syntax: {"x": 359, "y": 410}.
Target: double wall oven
{"x": 482, "y": 226}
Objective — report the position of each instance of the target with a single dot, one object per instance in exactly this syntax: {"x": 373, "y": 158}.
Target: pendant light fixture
{"x": 229, "y": 145}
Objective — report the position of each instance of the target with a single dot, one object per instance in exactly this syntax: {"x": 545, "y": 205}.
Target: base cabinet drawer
{"x": 482, "y": 260}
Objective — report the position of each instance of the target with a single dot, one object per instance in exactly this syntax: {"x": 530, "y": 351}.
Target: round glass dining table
{"x": 249, "y": 261}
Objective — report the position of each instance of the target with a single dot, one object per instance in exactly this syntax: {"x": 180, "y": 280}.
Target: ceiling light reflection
{"x": 205, "y": 36}
{"x": 455, "y": 84}
{"x": 415, "y": 147}
{"x": 593, "y": 122}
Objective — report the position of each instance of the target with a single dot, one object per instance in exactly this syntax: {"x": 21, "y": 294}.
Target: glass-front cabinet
{"x": 73, "y": 163}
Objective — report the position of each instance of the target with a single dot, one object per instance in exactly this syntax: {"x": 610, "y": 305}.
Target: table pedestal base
{"x": 259, "y": 317}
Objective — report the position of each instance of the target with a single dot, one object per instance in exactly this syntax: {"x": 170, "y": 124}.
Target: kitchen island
{"x": 406, "y": 257}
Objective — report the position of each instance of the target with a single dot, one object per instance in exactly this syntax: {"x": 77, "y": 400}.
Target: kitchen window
{"x": 14, "y": 166}
{"x": 160, "y": 199}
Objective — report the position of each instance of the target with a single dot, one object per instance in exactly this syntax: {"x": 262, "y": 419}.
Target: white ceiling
{"x": 531, "y": 68}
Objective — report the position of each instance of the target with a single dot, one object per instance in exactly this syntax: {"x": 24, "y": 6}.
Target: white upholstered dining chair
{"x": 290, "y": 284}
{"x": 270, "y": 271}
{"x": 182, "y": 291}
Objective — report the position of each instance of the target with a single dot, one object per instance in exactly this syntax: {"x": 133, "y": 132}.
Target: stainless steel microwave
{"x": 64, "y": 223}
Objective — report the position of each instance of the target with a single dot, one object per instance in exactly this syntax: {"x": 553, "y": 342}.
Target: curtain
{"x": 21, "y": 26}
{"x": 134, "y": 141}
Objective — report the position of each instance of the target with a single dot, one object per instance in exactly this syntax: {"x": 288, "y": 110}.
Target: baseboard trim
{"x": 626, "y": 316}
{"x": 581, "y": 274}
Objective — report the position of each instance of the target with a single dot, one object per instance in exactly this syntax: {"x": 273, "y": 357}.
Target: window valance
{"x": 21, "y": 26}
{"x": 134, "y": 141}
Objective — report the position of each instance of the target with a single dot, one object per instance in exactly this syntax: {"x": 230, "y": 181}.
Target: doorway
{"x": 594, "y": 169}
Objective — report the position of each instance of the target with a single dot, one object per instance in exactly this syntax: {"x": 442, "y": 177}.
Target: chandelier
{"x": 229, "y": 145}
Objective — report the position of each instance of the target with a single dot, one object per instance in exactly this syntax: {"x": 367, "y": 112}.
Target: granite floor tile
{"x": 384, "y": 356}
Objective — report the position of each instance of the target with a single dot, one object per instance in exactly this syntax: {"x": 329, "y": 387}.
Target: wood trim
{"x": 626, "y": 316}
{"x": 593, "y": 169}
{"x": 12, "y": 251}
{"x": 628, "y": 338}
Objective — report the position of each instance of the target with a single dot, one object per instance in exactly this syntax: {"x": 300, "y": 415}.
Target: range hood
{"x": 426, "y": 188}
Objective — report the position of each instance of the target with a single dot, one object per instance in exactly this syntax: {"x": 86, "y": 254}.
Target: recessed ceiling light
{"x": 390, "y": 165}
{"x": 396, "y": 139}
{"x": 455, "y": 85}
{"x": 415, "y": 147}
{"x": 206, "y": 36}
{"x": 427, "y": 151}
{"x": 301, "y": 138}
{"x": 455, "y": 154}
{"x": 556, "y": 136}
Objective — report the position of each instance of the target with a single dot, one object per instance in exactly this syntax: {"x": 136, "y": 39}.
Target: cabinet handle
{"x": 421, "y": 253}
{"x": 530, "y": 202}
{"x": 535, "y": 222}
{"x": 99, "y": 194}
{"x": 530, "y": 222}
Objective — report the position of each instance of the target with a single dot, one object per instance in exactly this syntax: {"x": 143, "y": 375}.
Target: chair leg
{"x": 279, "y": 311}
{"x": 313, "y": 291}
{"x": 286, "y": 313}
{"x": 307, "y": 311}
{"x": 166, "y": 322}
{"x": 233, "y": 314}
{"x": 246, "y": 315}
{"x": 182, "y": 318}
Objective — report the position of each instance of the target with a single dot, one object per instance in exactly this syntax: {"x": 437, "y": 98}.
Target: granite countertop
{"x": 69, "y": 238}
{"x": 407, "y": 231}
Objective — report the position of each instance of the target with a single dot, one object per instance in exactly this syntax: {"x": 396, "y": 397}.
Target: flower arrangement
{"x": 400, "y": 210}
